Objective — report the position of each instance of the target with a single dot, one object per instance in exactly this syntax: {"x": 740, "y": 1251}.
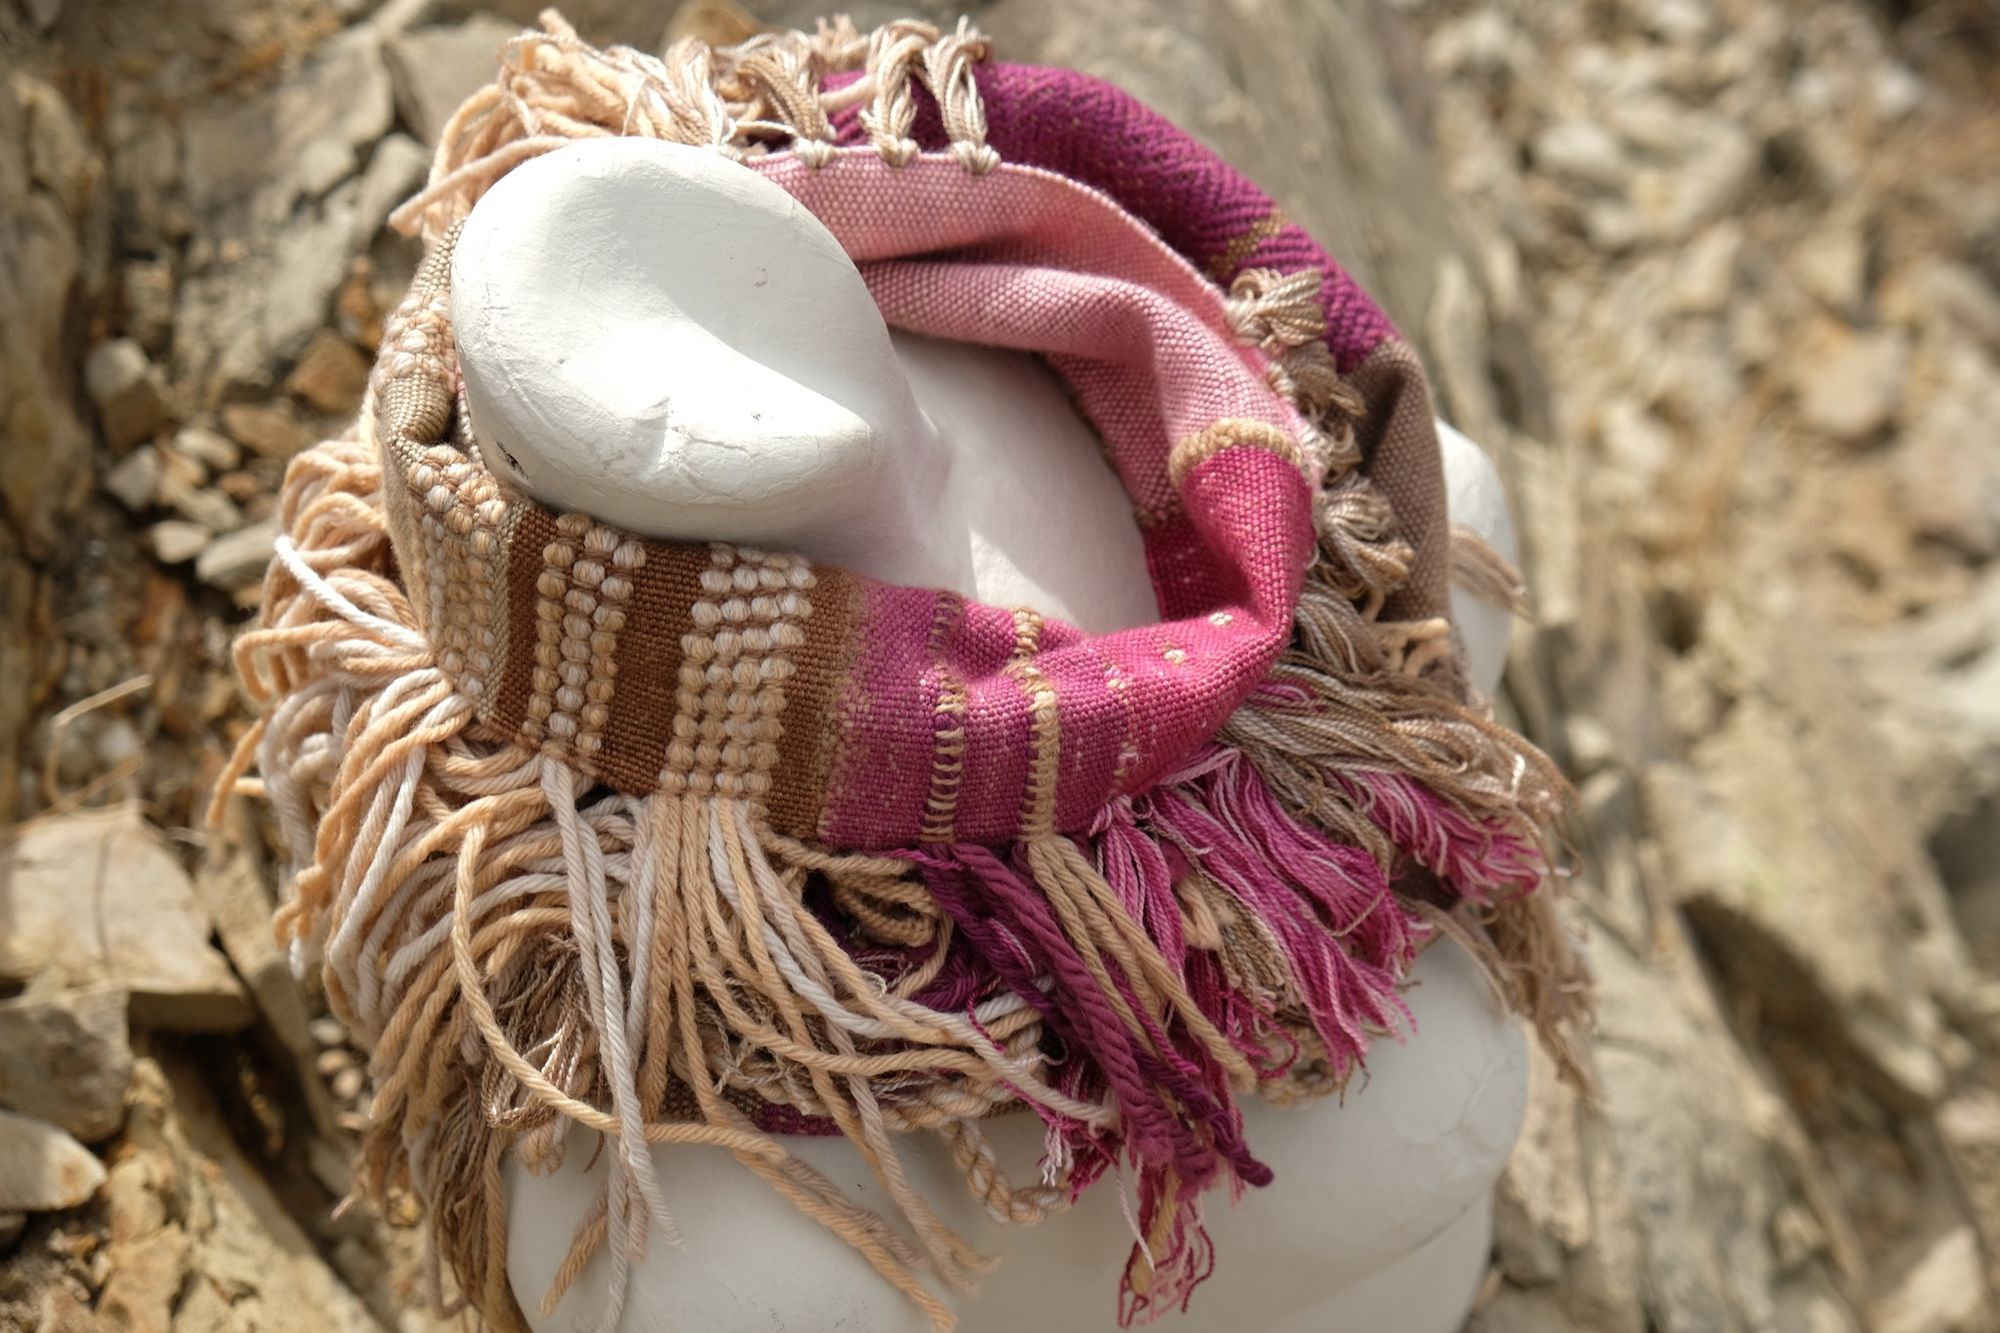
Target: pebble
{"x": 1705, "y": 272}
{"x": 135, "y": 482}
{"x": 1941, "y": 292}
{"x": 1832, "y": 264}
{"x": 348, "y": 1083}
{"x": 43, "y": 1169}
{"x": 1851, "y": 388}
{"x": 1678, "y": 22}
{"x": 266, "y": 429}
{"x": 1944, "y": 1289}
{"x": 1483, "y": 44}
{"x": 243, "y": 487}
{"x": 211, "y": 510}
{"x": 177, "y": 541}
{"x": 1897, "y": 92}
{"x": 212, "y": 449}
{"x": 1582, "y": 153}
{"x": 330, "y": 376}
{"x": 126, "y": 388}
{"x": 1637, "y": 443}
{"x": 236, "y": 562}
{"x": 1592, "y": 747}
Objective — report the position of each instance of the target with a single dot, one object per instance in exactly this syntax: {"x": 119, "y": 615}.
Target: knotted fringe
{"x": 1364, "y": 726}
{"x": 520, "y": 953}
{"x": 766, "y": 93}
{"x": 523, "y": 955}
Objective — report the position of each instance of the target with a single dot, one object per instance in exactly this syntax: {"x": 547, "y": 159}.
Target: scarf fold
{"x": 704, "y": 844}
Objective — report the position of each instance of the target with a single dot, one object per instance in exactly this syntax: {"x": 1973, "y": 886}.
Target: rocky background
{"x": 1717, "y": 281}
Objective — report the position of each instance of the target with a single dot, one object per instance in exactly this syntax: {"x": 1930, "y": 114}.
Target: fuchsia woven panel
{"x": 1098, "y": 134}
{"x": 1024, "y": 258}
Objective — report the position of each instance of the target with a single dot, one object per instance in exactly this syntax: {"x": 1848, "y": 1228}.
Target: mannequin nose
{"x": 652, "y": 334}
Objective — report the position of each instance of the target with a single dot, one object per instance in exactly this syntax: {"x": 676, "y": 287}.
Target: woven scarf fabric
{"x": 708, "y": 844}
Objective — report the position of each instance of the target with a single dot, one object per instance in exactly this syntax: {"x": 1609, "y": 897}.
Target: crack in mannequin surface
{"x": 655, "y": 336}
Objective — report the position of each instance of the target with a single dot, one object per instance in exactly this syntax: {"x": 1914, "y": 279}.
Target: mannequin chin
{"x": 626, "y": 352}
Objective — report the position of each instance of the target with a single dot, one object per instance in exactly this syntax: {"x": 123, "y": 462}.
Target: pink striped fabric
{"x": 1027, "y": 259}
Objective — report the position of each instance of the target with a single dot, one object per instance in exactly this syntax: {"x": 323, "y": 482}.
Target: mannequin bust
{"x": 659, "y": 337}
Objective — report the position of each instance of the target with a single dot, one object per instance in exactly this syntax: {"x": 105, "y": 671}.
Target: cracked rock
{"x": 97, "y": 898}
{"x": 64, "y": 1058}
{"x": 127, "y": 390}
{"x": 436, "y": 68}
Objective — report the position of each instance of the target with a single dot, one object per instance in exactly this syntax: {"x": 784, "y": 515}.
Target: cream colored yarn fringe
{"x": 468, "y": 905}
{"x": 554, "y": 88}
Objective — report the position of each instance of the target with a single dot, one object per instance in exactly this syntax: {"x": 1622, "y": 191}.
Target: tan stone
{"x": 64, "y": 1058}
{"x": 97, "y": 898}
{"x": 268, "y": 429}
{"x": 330, "y": 375}
{"x": 43, "y": 1169}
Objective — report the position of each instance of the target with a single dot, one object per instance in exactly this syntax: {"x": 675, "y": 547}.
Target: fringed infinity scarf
{"x": 705, "y": 844}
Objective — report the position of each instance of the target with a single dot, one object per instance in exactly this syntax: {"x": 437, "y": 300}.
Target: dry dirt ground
{"x": 1717, "y": 281}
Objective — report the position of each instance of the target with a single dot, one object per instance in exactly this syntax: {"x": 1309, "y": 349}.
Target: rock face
{"x": 197, "y": 1238}
{"x": 1766, "y": 665}
{"x": 258, "y": 289}
{"x": 1717, "y": 281}
{"x": 436, "y": 68}
{"x": 96, "y": 899}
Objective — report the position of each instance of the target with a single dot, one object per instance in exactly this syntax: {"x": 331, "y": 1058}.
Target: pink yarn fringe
{"x": 1326, "y": 909}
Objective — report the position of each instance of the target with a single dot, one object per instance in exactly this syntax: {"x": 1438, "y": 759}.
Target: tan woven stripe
{"x": 413, "y": 376}
{"x": 948, "y": 750}
{"x": 1120, "y": 687}
{"x": 461, "y": 510}
{"x": 1205, "y": 444}
{"x": 601, "y": 580}
{"x": 442, "y": 567}
{"x": 1038, "y": 805}
{"x": 808, "y": 746}
{"x": 551, "y": 585}
{"x": 1225, "y": 265}
{"x": 736, "y": 662}
{"x": 485, "y": 573}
